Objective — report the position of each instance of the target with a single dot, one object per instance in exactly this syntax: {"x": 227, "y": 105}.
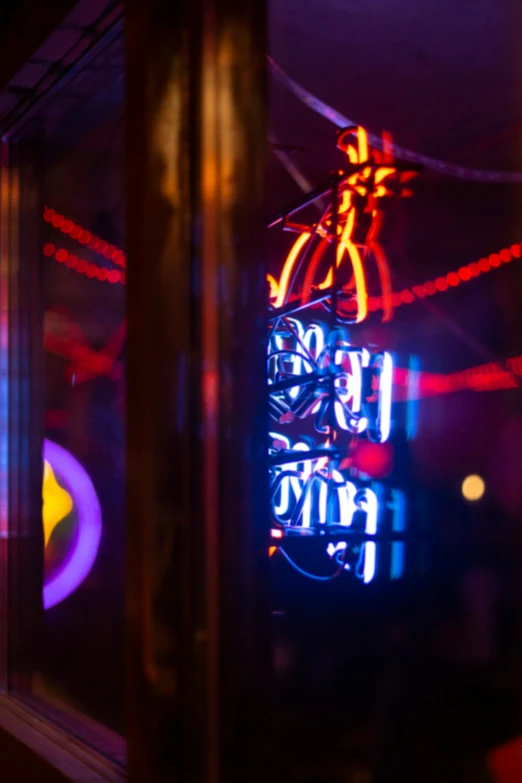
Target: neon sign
{"x": 326, "y": 390}
{"x": 351, "y": 226}
{"x": 314, "y": 372}
{"x": 67, "y": 487}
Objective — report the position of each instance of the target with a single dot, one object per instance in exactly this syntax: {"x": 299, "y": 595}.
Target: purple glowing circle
{"x": 76, "y": 481}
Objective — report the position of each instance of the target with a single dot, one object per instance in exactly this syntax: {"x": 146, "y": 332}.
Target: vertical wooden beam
{"x": 197, "y": 510}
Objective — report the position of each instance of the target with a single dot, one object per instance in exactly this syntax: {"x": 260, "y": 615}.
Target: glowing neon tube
{"x": 78, "y": 485}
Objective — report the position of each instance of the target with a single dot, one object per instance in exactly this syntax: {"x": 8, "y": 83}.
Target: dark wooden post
{"x": 197, "y": 510}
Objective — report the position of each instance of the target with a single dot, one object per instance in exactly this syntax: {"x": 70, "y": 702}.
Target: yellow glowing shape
{"x": 346, "y": 202}
{"x": 57, "y": 502}
{"x": 382, "y": 173}
{"x": 473, "y": 487}
{"x": 274, "y": 287}
{"x": 284, "y": 280}
{"x": 362, "y": 138}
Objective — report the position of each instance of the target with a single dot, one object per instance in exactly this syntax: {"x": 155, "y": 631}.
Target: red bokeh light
{"x": 61, "y": 255}
{"x": 419, "y": 291}
{"x": 484, "y": 265}
{"x": 406, "y": 296}
{"x": 113, "y": 276}
{"x": 453, "y": 279}
{"x": 515, "y": 251}
{"x": 441, "y": 284}
{"x": 48, "y": 249}
{"x": 495, "y": 260}
{"x": 474, "y": 269}
{"x": 57, "y": 221}
{"x": 373, "y": 459}
{"x": 464, "y": 273}
{"x": 430, "y": 289}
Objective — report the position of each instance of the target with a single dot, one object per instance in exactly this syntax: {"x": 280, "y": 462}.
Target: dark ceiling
{"x": 444, "y": 76}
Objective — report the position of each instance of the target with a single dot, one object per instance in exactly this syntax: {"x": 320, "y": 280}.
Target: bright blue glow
{"x": 307, "y": 573}
{"x": 305, "y": 360}
{"x": 336, "y": 552}
{"x": 348, "y": 388}
{"x": 292, "y": 482}
{"x": 302, "y": 348}
{"x": 412, "y": 400}
{"x": 315, "y": 373}
{"x": 398, "y": 506}
{"x": 385, "y": 397}
{"x": 305, "y": 495}
{"x": 369, "y": 504}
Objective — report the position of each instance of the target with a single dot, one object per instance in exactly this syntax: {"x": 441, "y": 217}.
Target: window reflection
{"x": 79, "y": 135}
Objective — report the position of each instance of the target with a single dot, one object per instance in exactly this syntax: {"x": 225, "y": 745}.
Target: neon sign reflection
{"x": 66, "y": 486}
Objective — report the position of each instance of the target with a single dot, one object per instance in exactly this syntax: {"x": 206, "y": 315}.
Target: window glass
{"x": 78, "y": 136}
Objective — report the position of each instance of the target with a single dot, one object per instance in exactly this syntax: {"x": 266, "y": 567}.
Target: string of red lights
{"x": 407, "y": 296}
{"x": 84, "y": 237}
{"x": 83, "y": 267}
{"x": 450, "y": 280}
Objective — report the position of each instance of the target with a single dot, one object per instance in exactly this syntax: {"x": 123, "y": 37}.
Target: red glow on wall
{"x": 85, "y": 363}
